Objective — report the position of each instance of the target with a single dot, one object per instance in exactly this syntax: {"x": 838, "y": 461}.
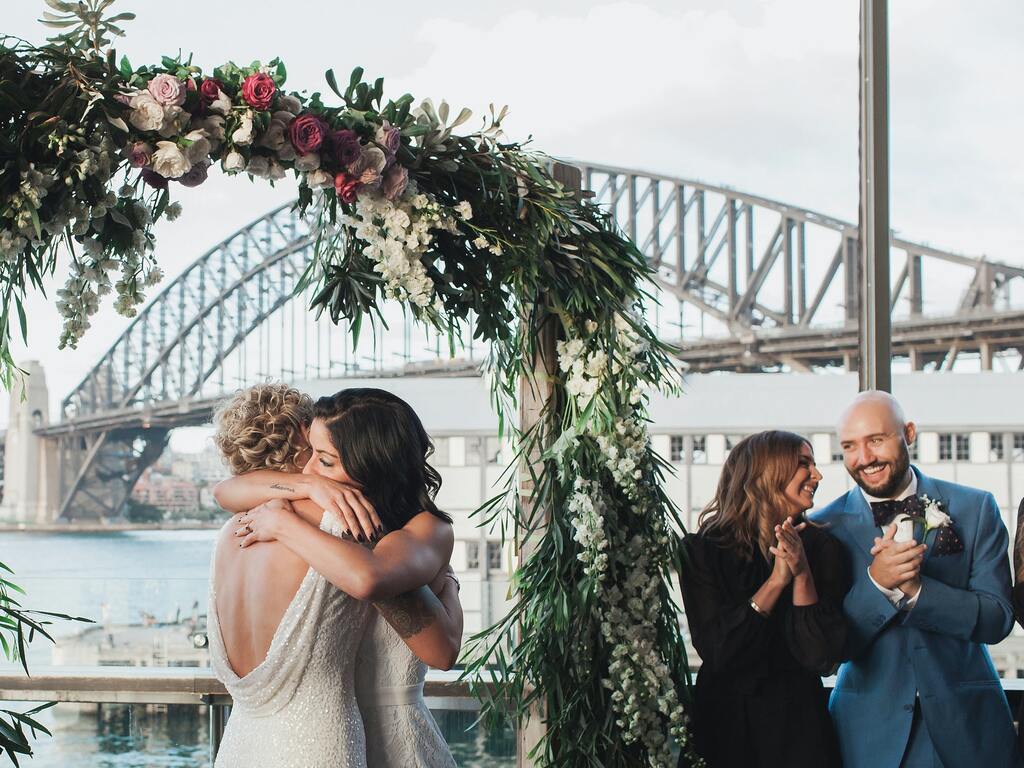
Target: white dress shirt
{"x": 896, "y": 596}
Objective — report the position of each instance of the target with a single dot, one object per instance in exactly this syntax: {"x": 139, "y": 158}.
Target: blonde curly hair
{"x": 261, "y": 428}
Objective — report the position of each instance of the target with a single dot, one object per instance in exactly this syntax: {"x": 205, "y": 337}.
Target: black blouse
{"x": 758, "y": 698}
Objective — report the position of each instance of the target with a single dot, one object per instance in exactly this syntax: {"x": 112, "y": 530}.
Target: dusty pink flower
{"x": 195, "y": 176}
{"x": 139, "y": 154}
{"x": 395, "y": 181}
{"x": 167, "y": 90}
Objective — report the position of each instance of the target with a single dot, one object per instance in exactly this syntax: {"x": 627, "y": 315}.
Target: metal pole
{"x": 875, "y": 327}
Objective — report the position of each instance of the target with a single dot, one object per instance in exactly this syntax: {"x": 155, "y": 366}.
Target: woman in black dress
{"x": 763, "y": 591}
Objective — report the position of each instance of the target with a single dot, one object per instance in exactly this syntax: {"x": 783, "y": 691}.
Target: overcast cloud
{"x": 760, "y": 96}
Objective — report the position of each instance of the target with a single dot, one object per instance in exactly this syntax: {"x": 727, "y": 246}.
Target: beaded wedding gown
{"x": 400, "y": 731}
{"x": 297, "y": 709}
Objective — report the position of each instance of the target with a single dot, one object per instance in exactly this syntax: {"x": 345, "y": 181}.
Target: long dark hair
{"x": 383, "y": 447}
{"x": 751, "y": 491}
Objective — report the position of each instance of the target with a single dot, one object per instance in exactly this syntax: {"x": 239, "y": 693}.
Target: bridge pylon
{"x": 30, "y": 460}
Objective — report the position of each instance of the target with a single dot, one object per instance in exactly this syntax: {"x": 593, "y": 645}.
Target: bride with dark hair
{"x": 365, "y": 477}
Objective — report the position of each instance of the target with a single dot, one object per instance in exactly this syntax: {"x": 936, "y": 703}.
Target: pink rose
{"x": 389, "y": 138}
{"x": 395, "y": 182}
{"x": 195, "y": 176}
{"x": 209, "y": 89}
{"x": 345, "y": 146}
{"x": 139, "y": 154}
{"x": 258, "y": 90}
{"x": 370, "y": 165}
{"x": 167, "y": 90}
{"x": 345, "y": 187}
{"x": 307, "y": 133}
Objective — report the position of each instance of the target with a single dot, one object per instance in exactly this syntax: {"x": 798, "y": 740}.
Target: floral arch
{"x": 403, "y": 208}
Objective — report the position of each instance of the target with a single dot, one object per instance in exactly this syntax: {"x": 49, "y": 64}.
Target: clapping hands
{"x": 790, "y": 558}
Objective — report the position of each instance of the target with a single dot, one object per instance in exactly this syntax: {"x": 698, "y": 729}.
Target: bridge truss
{"x": 745, "y": 284}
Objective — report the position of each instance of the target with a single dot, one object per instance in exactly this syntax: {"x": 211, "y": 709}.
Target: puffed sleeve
{"x": 816, "y": 634}
{"x": 726, "y": 631}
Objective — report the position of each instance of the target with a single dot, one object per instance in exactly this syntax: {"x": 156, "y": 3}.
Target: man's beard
{"x": 897, "y": 476}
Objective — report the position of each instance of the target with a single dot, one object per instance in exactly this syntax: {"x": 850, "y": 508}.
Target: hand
{"x": 781, "y": 574}
{"x": 908, "y": 588}
{"x": 790, "y": 548}
{"x": 440, "y": 581}
{"x": 264, "y": 523}
{"x": 348, "y": 504}
{"x": 895, "y": 563}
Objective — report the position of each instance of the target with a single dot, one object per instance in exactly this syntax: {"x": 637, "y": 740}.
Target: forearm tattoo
{"x": 280, "y": 487}
{"x": 407, "y": 614}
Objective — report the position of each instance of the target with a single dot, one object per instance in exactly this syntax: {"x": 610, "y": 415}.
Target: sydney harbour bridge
{"x": 744, "y": 284}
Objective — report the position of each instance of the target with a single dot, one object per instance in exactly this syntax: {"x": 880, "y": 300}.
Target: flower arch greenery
{"x": 450, "y": 224}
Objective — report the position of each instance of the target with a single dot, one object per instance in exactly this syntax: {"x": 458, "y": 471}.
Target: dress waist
{"x": 396, "y": 696}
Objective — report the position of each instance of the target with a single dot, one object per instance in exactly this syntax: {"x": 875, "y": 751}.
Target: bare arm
{"x": 402, "y": 561}
{"x": 244, "y": 492}
{"x": 430, "y": 624}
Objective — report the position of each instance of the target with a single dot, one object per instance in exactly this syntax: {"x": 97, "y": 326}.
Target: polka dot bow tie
{"x": 946, "y": 541}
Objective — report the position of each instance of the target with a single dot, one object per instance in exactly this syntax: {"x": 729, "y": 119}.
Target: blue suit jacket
{"x": 936, "y": 650}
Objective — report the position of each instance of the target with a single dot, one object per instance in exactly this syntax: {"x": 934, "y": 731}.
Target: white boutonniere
{"x": 934, "y": 516}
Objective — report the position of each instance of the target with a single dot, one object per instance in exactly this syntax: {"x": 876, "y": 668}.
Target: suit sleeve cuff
{"x": 894, "y": 596}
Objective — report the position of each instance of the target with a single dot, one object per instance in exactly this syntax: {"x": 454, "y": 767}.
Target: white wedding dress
{"x": 297, "y": 709}
{"x": 400, "y": 731}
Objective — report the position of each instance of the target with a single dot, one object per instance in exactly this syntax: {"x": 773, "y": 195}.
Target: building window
{"x": 1018, "y": 446}
{"x": 494, "y": 555}
{"x": 945, "y": 447}
{"x": 472, "y": 555}
{"x": 837, "y": 450}
{"x": 493, "y": 444}
{"x": 676, "y": 450}
{"x": 912, "y": 448}
{"x": 996, "y": 450}
{"x": 730, "y": 442}
{"x": 474, "y": 451}
{"x": 963, "y": 447}
{"x": 440, "y": 456}
{"x": 700, "y": 449}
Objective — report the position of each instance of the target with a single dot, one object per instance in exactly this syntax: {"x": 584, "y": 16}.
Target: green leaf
{"x": 333, "y": 82}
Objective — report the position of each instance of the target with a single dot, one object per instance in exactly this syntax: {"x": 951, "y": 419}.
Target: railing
{"x": 176, "y": 685}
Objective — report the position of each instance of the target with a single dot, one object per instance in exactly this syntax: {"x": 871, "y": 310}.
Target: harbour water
{"x": 134, "y": 579}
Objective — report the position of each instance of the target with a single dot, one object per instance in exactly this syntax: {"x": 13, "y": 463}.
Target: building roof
{"x": 740, "y": 403}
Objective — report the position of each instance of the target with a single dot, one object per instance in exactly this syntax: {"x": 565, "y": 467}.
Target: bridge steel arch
{"x": 772, "y": 285}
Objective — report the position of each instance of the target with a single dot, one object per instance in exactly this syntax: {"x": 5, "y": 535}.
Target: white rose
{"x": 276, "y": 135}
{"x": 934, "y": 516}
{"x": 222, "y": 104}
{"x": 243, "y": 134}
{"x": 289, "y": 103}
{"x": 258, "y": 166}
{"x": 199, "y": 149}
{"x": 319, "y": 180}
{"x": 213, "y": 127}
{"x": 274, "y": 170}
{"x": 904, "y": 528}
{"x": 175, "y": 120}
{"x": 233, "y": 162}
{"x": 169, "y": 161}
{"x": 310, "y": 162}
{"x": 147, "y": 114}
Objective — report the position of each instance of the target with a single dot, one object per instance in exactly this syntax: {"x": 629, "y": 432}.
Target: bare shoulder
{"x": 431, "y": 530}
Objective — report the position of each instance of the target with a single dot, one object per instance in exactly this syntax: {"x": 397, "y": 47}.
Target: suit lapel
{"x": 926, "y": 487}
{"x": 860, "y": 520}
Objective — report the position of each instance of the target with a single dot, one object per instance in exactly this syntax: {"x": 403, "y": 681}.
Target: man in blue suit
{"x": 931, "y": 587}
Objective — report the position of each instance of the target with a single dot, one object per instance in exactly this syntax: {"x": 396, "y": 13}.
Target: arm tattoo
{"x": 280, "y": 487}
{"x": 408, "y": 614}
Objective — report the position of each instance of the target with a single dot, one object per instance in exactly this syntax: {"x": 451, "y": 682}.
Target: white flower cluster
{"x": 624, "y": 453}
{"x": 643, "y": 693}
{"x": 397, "y": 233}
{"x": 584, "y": 369}
{"x": 587, "y": 509}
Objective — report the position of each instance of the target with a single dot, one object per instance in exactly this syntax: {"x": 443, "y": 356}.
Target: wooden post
{"x": 533, "y": 396}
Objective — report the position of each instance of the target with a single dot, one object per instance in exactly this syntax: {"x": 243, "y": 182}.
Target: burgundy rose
{"x": 154, "y": 179}
{"x": 195, "y": 176}
{"x": 209, "y": 89}
{"x": 307, "y": 133}
{"x": 345, "y": 147}
{"x": 345, "y": 187}
{"x": 139, "y": 154}
{"x": 258, "y": 90}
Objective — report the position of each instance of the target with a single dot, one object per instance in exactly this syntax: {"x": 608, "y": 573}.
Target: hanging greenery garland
{"x": 451, "y": 225}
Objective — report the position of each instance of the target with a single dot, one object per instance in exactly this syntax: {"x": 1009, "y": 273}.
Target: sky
{"x": 759, "y": 95}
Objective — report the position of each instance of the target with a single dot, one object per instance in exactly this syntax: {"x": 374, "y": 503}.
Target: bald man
{"x": 931, "y": 587}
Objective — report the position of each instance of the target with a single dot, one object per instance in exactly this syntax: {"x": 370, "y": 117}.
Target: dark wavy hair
{"x": 383, "y": 447}
{"x": 751, "y": 491}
